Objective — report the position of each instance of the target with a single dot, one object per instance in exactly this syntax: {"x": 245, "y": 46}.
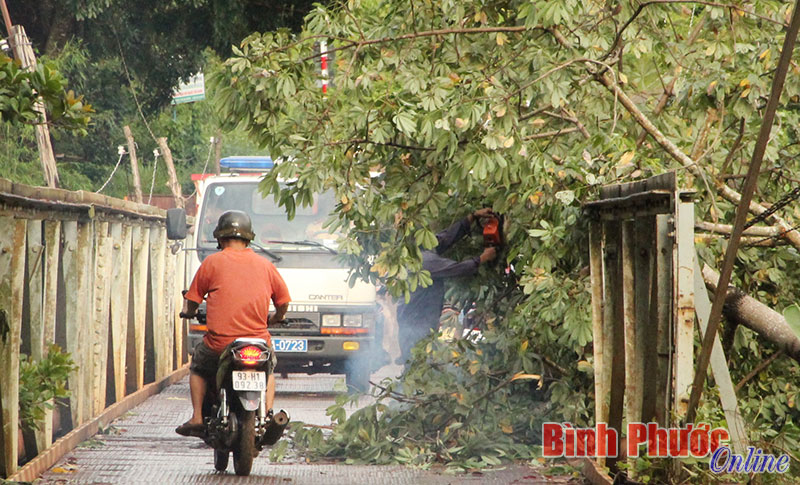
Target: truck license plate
{"x": 249, "y": 380}
{"x": 290, "y": 344}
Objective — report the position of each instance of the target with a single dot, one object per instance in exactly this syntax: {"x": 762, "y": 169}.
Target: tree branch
{"x": 668, "y": 91}
{"x": 728, "y": 229}
{"x": 566, "y": 115}
{"x": 734, "y": 147}
{"x": 757, "y": 370}
{"x": 415, "y": 35}
{"x": 550, "y": 134}
{"x": 387, "y": 144}
{"x": 676, "y": 153}
{"x": 617, "y": 39}
{"x": 746, "y": 310}
{"x": 751, "y": 241}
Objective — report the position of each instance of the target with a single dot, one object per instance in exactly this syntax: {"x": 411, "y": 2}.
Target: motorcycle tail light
{"x": 250, "y": 355}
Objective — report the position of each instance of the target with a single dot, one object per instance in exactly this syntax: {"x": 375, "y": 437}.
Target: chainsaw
{"x": 492, "y": 227}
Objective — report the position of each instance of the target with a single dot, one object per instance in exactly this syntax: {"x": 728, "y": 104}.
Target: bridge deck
{"x": 142, "y": 447}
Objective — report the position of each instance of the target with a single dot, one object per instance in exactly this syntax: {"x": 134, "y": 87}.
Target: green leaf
{"x": 792, "y": 316}
{"x": 405, "y": 123}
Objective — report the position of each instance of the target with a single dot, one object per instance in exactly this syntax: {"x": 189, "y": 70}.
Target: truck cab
{"x": 330, "y": 327}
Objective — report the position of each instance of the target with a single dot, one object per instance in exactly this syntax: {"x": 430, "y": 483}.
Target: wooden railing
{"x": 97, "y": 276}
{"x": 647, "y": 293}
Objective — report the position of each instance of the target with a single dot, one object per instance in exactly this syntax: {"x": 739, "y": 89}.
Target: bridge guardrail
{"x": 97, "y": 276}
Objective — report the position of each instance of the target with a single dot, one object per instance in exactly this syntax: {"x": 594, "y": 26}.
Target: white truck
{"x": 330, "y": 327}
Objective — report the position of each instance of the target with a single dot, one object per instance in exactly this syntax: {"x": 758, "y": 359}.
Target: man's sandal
{"x": 188, "y": 429}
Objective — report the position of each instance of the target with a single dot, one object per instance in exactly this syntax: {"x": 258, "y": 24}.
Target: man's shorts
{"x": 205, "y": 361}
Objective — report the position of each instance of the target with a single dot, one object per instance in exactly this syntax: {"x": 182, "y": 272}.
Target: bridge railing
{"x": 97, "y": 276}
{"x": 647, "y": 293}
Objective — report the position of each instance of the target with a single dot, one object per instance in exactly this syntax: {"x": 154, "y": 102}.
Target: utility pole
{"x": 174, "y": 186}
{"x": 217, "y": 150}
{"x": 7, "y": 21}
{"x": 23, "y": 52}
{"x": 137, "y": 182}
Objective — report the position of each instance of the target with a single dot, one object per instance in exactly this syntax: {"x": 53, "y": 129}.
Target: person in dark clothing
{"x": 420, "y": 315}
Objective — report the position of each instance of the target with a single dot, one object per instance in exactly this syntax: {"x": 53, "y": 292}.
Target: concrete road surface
{"x": 142, "y": 447}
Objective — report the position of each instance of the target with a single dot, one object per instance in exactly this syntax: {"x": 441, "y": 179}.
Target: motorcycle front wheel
{"x": 221, "y": 460}
{"x": 245, "y": 447}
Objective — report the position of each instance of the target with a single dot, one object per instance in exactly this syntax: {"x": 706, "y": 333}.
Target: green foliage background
{"x": 509, "y": 104}
{"x": 125, "y": 58}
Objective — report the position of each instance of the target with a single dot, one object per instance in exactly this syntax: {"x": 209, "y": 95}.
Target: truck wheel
{"x": 244, "y": 449}
{"x": 358, "y": 380}
{"x": 221, "y": 460}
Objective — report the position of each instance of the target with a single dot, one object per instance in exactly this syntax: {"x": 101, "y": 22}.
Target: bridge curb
{"x": 68, "y": 442}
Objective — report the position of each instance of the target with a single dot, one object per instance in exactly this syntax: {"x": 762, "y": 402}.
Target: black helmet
{"x": 234, "y": 223}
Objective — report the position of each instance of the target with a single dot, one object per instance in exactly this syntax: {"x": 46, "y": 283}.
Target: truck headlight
{"x": 353, "y": 320}
{"x": 331, "y": 320}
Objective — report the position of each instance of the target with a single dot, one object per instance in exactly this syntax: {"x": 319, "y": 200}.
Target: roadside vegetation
{"x": 526, "y": 107}
{"x": 125, "y": 60}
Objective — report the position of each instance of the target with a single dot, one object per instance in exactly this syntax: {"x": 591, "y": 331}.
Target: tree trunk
{"x": 173, "y": 184}
{"x": 137, "y": 182}
{"x": 743, "y": 310}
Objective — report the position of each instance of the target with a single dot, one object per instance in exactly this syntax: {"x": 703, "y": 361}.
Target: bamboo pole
{"x": 7, "y": 21}
{"x": 174, "y": 186}
{"x": 137, "y": 182}
{"x": 24, "y": 53}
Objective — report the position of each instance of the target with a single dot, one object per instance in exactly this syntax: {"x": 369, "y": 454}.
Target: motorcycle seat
{"x": 247, "y": 340}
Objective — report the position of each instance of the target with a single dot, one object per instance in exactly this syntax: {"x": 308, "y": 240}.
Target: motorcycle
{"x": 234, "y": 408}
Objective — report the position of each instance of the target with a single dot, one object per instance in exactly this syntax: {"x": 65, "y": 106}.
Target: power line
{"x": 205, "y": 166}
{"x": 153, "y": 180}
{"x": 121, "y": 151}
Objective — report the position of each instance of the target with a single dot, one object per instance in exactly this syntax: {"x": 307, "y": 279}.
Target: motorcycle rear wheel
{"x": 244, "y": 449}
{"x": 221, "y": 460}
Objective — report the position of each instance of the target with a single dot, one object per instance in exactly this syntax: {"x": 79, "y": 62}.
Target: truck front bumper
{"x": 324, "y": 350}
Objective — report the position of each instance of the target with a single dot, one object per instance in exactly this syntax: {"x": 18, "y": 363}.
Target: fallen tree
{"x": 528, "y": 108}
{"x": 742, "y": 309}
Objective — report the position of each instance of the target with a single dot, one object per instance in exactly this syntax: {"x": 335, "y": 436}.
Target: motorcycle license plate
{"x": 249, "y": 380}
{"x": 290, "y": 344}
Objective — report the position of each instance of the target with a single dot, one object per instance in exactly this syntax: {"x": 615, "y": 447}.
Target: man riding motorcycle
{"x": 237, "y": 285}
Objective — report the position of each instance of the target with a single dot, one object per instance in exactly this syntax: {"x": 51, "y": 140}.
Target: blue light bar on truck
{"x": 247, "y": 163}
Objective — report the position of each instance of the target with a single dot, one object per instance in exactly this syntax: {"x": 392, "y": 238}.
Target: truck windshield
{"x": 272, "y": 228}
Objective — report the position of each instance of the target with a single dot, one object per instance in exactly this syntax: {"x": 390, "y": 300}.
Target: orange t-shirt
{"x": 237, "y": 285}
